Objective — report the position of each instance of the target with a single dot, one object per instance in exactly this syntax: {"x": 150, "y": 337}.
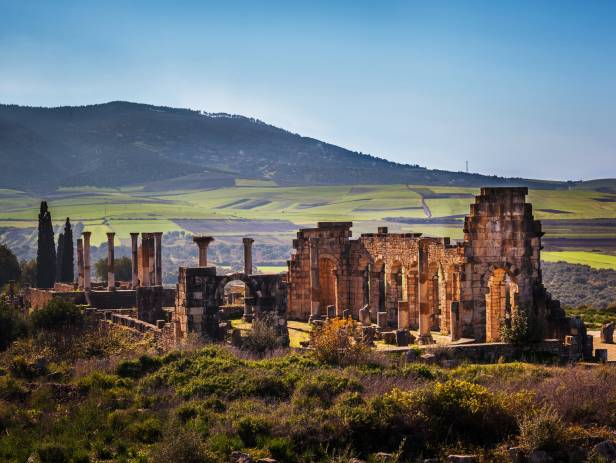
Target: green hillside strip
{"x": 592, "y": 259}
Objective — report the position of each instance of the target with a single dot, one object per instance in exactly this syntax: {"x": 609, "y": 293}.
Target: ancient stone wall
{"x": 463, "y": 290}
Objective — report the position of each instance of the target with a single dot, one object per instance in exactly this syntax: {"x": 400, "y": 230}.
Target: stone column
{"x": 203, "y": 242}
{"x": 315, "y": 289}
{"x": 423, "y": 294}
{"x": 110, "y": 261}
{"x": 86, "y": 261}
{"x": 80, "y": 263}
{"x": 134, "y": 259}
{"x": 158, "y": 266}
{"x": 146, "y": 239}
{"x": 248, "y": 255}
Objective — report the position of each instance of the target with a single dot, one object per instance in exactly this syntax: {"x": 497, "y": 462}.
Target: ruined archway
{"x": 501, "y": 301}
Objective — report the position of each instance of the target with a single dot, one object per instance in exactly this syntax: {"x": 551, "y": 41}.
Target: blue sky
{"x": 516, "y": 88}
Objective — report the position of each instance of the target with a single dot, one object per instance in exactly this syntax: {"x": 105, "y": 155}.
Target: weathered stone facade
{"x": 462, "y": 290}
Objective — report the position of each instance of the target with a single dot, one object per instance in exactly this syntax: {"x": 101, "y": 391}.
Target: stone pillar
{"x": 146, "y": 239}
{"x": 86, "y": 261}
{"x": 110, "y": 261}
{"x": 423, "y": 294}
{"x": 80, "y": 263}
{"x": 203, "y": 242}
{"x": 158, "y": 264}
{"x": 404, "y": 320}
{"x": 315, "y": 289}
{"x": 134, "y": 259}
{"x": 248, "y": 255}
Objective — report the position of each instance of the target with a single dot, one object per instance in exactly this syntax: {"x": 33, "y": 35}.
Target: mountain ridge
{"x": 123, "y": 143}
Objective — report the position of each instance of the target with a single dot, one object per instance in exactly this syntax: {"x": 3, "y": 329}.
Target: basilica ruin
{"x": 403, "y": 280}
{"x": 392, "y": 283}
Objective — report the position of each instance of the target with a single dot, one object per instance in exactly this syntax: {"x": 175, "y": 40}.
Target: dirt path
{"x": 424, "y": 205}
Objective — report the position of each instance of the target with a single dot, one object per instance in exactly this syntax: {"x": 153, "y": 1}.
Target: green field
{"x": 268, "y": 210}
{"x": 593, "y": 259}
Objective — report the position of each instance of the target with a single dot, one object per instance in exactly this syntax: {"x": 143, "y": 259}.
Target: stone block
{"x": 368, "y": 333}
{"x": 364, "y": 316}
{"x": 331, "y": 311}
{"x": 346, "y": 313}
{"x": 428, "y": 358}
{"x": 607, "y": 333}
{"x": 601, "y": 355}
{"x": 402, "y": 337}
{"x": 381, "y": 320}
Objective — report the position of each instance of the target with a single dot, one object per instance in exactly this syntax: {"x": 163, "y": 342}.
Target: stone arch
{"x": 501, "y": 301}
{"x": 251, "y": 285}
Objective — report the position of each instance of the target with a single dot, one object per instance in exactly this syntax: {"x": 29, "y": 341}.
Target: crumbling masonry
{"x": 404, "y": 280}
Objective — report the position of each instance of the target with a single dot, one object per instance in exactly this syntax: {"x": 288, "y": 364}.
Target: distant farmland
{"x": 574, "y": 220}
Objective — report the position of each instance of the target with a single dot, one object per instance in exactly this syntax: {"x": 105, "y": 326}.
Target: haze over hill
{"x": 121, "y": 143}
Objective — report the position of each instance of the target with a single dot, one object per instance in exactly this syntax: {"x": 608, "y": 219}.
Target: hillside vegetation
{"x": 86, "y": 394}
{"x": 120, "y": 143}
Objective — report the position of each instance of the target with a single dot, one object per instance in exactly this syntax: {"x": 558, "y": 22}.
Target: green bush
{"x": 461, "y": 410}
{"x": 138, "y": 368}
{"x": 522, "y": 330}
{"x": 12, "y": 325}
{"x": 320, "y": 390}
{"x": 181, "y": 446}
{"x": 147, "y": 431}
{"x": 281, "y": 449}
{"x": 53, "y": 453}
{"x": 251, "y": 429}
{"x": 57, "y": 315}
{"x": 542, "y": 429}
{"x": 260, "y": 339}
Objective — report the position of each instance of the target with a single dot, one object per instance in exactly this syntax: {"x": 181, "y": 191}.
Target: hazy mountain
{"x": 122, "y": 143}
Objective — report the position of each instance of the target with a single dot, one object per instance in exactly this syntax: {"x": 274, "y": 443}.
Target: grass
{"x": 593, "y": 259}
{"x": 132, "y": 209}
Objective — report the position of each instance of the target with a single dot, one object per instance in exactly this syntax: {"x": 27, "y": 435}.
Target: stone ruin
{"x": 403, "y": 281}
{"x": 391, "y": 282}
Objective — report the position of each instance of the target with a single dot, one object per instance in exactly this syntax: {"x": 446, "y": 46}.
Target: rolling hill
{"x": 120, "y": 143}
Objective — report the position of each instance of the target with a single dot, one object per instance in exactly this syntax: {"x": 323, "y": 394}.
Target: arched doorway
{"x": 501, "y": 301}
{"x": 328, "y": 283}
{"x": 234, "y": 293}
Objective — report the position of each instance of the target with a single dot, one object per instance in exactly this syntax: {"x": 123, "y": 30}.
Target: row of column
{"x": 147, "y": 239}
{"x": 204, "y": 241}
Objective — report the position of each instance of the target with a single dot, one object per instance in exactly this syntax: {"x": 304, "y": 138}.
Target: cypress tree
{"x": 46, "y": 252}
{"x": 59, "y": 254}
{"x": 68, "y": 265}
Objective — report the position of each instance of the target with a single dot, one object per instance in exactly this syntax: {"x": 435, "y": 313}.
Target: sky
{"x": 516, "y": 88}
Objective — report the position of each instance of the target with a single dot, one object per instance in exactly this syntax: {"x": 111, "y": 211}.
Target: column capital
{"x": 86, "y": 234}
{"x": 134, "y": 234}
{"x": 203, "y": 240}
{"x": 110, "y": 234}
{"x": 248, "y": 241}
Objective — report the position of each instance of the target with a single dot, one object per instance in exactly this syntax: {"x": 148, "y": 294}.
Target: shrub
{"x": 181, "y": 446}
{"x": 147, "y": 431}
{"x": 542, "y": 429}
{"x": 137, "y": 368}
{"x": 461, "y": 410}
{"x": 522, "y": 330}
{"x": 251, "y": 429}
{"x": 260, "y": 339}
{"x": 335, "y": 342}
{"x": 321, "y": 389}
{"x": 12, "y": 325}
{"x": 53, "y": 453}
{"x": 57, "y": 315}
{"x": 281, "y": 449}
